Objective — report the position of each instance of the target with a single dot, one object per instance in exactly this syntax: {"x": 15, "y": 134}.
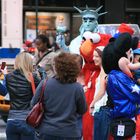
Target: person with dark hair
{"x": 44, "y": 56}
{"x": 99, "y": 107}
{"x": 80, "y": 60}
{"x": 63, "y": 101}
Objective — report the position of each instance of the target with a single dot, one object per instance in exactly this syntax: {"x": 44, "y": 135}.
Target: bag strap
{"x": 42, "y": 57}
{"x": 42, "y": 90}
{"x": 32, "y": 83}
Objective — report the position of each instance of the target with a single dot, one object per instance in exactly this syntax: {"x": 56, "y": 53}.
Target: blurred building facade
{"x": 39, "y": 16}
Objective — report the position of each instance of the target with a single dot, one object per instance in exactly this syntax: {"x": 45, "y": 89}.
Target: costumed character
{"x": 122, "y": 89}
{"x": 90, "y": 23}
{"x": 91, "y": 72}
{"x": 123, "y": 28}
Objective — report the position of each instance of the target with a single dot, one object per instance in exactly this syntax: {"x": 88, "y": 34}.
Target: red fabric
{"x": 87, "y": 71}
{"x": 125, "y": 28}
{"x": 111, "y": 137}
{"x": 28, "y": 43}
{"x": 86, "y": 50}
{"x": 87, "y": 118}
{"x": 138, "y": 127}
{"x": 87, "y": 47}
{"x": 138, "y": 45}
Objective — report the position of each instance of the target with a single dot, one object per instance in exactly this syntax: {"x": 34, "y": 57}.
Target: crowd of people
{"x": 89, "y": 84}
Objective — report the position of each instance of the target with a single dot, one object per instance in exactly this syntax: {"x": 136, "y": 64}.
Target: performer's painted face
{"x": 90, "y": 23}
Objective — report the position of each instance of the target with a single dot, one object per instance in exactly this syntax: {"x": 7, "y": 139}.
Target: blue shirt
{"x": 62, "y": 103}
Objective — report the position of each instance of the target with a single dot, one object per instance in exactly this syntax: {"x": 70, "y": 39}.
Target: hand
{"x": 85, "y": 89}
{"x": 4, "y": 71}
{"x": 91, "y": 109}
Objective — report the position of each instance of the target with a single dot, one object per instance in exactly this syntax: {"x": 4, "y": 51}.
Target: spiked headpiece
{"x": 91, "y": 12}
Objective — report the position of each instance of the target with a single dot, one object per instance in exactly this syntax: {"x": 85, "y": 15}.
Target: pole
{"x": 36, "y": 11}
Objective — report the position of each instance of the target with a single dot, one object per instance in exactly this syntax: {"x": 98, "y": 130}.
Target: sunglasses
{"x": 89, "y": 18}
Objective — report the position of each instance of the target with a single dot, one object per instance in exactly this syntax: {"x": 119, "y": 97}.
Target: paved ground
{"x": 2, "y": 130}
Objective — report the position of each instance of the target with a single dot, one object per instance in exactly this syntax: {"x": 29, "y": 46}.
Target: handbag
{"x": 122, "y": 127}
{"x": 34, "y": 117}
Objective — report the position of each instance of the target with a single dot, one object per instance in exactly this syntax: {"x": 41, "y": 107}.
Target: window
{"x": 77, "y": 20}
{"x": 46, "y": 23}
{"x": 130, "y": 4}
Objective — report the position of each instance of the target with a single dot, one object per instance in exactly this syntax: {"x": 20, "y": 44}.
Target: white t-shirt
{"x": 102, "y": 101}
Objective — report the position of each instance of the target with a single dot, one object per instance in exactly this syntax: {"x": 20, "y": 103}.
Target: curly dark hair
{"x": 67, "y": 68}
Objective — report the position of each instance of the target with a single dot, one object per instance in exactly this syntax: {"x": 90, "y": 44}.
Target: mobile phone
{"x": 3, "y": 64}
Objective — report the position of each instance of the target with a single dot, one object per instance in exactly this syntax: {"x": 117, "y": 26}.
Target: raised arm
{"x": 126, "y": 66}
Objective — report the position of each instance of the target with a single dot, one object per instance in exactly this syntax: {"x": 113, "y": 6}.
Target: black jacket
{"x": 20, "y": 90}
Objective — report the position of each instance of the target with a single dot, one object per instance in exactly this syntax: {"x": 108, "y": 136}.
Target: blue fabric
{"x": 19, "y": 130}
{"x": 136, "y": 74}
{"x": 9, "y": 52}
{"x": 125, "y": 94}
{"x": 3, "y": 89}
{"x": 136, "y": 51}
{"x": 62, "y": 103}
{"x": 102, "y": 121}
{"x": 49, "y": 137}
{"x": 79, "y": 123}
{"x": 116, "y": 35}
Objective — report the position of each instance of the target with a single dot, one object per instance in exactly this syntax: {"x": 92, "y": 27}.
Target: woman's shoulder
{"x": 15, "y": 72}
{"x": 78, "y": 85}
{"x": 50, "y": 54}
{"x": 51, "y": 80}
{"x": 54, "y": 80}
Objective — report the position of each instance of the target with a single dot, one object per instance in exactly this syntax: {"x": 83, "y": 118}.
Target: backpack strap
{"x": 42, "y": 57}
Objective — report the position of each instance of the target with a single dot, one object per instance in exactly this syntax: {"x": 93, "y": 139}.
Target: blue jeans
{"x": 102, "y": 121}
{"x": 19, "y": 130}
{"x": 48, "y": 137}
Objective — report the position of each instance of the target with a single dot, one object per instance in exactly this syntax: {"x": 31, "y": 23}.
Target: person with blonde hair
{"x": 23, "y": 62}
{"x": 18, "y": 84}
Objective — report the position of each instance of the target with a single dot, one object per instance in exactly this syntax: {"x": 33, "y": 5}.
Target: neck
{"x": 42, "y": 53}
